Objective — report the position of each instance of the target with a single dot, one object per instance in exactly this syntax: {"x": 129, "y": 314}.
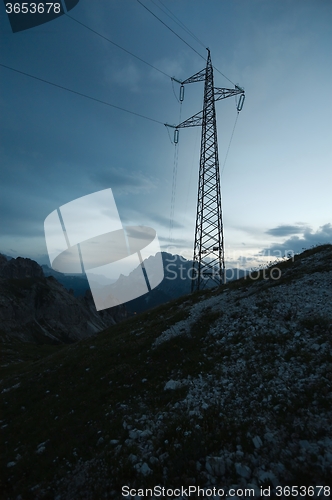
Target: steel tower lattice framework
{"x": 208, "y": 260}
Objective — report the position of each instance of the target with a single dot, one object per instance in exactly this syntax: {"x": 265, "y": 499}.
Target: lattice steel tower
{"x": 208, "y": 260}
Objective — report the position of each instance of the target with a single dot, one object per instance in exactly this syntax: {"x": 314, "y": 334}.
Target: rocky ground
{"x": 229, "y": 391}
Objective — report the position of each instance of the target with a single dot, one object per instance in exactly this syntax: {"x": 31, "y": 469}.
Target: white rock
{"x": 305, "y": 444}
{"x": 172, "y": 384}
{"x": 268, "y": 436}
{"x": 145, "y": 469}
{"x": 257, "y": 442}
{"x": 268, "y": 476}
{"x": 145, "y": 434}
{"x": 133, "y": 458}
{"x": 215, "y": 466}
{"x": 243, "y": 470}
{"x": 134, "y": 434}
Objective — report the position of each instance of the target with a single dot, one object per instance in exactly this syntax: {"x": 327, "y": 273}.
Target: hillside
{"x": 34, "y": 308}
{"x": 226, "y": 388}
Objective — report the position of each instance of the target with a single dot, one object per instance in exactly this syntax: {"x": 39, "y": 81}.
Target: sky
{"x": 57, "y": 146}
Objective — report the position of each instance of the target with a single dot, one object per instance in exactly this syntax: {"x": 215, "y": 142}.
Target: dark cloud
{"x": 21, "y": 215}
{"x": 295, "y": 244}
{"x": 285, "y": 230}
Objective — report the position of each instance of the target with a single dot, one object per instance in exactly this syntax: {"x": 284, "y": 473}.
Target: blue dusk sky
{"x": 57, "y": 146}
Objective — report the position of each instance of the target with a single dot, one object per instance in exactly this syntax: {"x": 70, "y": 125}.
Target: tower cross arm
{"x": 194, "y": 121}
{"x": 221, "y": 93}
{"x": 197, "y": 77}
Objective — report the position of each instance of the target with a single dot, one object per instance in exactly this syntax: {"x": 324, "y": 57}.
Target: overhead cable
{"x": 117, "y": 45}
{"x": 82, "y": 95}
{"x": 162, "y": 22}
{"x": 178, "y": 21}
{"x": 188, "y": 44}
{"x": 224, "y": 75}
{"x": 229, "y": 145}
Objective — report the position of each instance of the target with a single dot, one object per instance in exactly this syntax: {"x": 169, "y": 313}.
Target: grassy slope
{"x": 68, "y": 394}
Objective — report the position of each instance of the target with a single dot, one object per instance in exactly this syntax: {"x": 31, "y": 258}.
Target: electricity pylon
{"x": 208, "y": 260}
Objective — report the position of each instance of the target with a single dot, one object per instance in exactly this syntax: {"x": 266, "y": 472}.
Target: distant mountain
{"x": 78, "y": 283}
{"x": 39, "y": 309}
{"x": 8, "y": 257}
{"x": 176, "y": 282}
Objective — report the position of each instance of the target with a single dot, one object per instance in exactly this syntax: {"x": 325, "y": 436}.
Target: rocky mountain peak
{"x": 36, "y": 308}
{"x": 19, "y": 268}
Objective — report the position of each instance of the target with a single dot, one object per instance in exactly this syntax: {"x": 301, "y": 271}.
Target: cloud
{"x": 286, "y": 230}
{"x": 21, "y": 216}
{"x": 128, "y": 75}
{"x": 164, "y": 221}
{"x": 174, "y": 66}
{"x": 176, "y": 242}
{"x": 296, "y": 244}
{"x": 123, "y": 181}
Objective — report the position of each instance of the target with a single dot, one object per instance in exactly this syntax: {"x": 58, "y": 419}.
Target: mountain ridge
{"x": 39, "y": 309}
{"x": 177, "y": 282}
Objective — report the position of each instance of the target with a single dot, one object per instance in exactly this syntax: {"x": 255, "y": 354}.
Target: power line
{"x": 80, "y": 94}
{"x": 181, "y": 24}
{"x": 175, "y": 171}
{"x": 188, "y": 44}
{"x": 224, "y": 75}
{"x": 162, "y": 22}
{"x": 229, "y": 145}
{"x": 178, "y": 21}
{"x": 117, "y": 45}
